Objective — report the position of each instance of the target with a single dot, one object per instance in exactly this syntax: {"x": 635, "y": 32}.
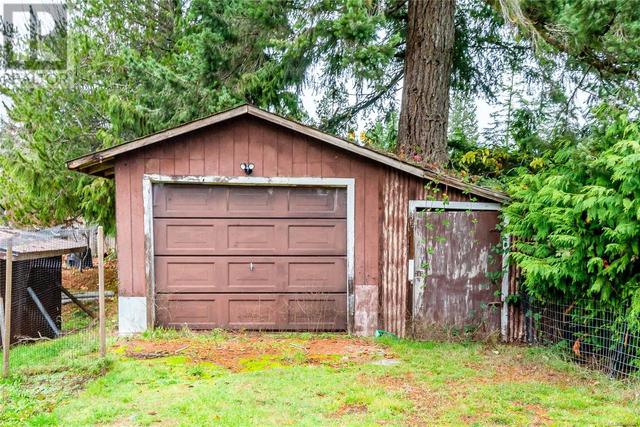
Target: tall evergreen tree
{"x": 424, "y": 111}
{"x": 364, "y": 52}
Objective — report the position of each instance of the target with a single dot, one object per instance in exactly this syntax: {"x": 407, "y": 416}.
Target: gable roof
{"x": 101, "y": 162}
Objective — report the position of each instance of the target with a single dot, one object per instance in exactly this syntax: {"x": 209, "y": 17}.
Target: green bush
{"x": 578, "y": 218}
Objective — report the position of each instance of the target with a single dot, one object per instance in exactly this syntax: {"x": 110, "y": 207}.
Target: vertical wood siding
{"x": 123, "y": 222}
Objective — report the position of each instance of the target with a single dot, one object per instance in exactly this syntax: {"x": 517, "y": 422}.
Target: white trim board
{"x": 147, "y": 188}
{"x": 416, "y": 205}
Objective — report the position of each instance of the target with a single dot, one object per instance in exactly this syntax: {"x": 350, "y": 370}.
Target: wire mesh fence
{"x": 597, "y": 338}
{"x": 52, "y": 309}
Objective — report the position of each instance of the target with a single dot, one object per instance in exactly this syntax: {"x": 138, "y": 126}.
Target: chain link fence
{"x": 49, "y": 285}
{"x": 593, "y": 337}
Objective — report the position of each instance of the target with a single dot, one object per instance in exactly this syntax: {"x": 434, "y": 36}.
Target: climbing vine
{"x": 437, "y": 230}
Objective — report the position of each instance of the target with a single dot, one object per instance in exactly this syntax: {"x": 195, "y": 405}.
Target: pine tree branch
{"x": 539, "y": 29}
{"x": 351, "y": 111}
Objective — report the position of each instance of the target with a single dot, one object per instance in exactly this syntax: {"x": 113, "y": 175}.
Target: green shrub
{"x": 578, "y": 218}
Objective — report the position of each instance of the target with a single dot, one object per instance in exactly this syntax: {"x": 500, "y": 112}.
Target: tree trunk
{"x": 422, "y": 131}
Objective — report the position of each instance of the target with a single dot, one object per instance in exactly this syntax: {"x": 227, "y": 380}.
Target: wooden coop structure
{"x": 36, "y": 297}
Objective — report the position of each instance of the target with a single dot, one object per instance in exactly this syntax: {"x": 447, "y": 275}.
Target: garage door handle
{"x": 250, "y": 266}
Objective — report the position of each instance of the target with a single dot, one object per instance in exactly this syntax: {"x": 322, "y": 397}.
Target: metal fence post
{"x": 6, "y": 339}
{"x": 102, "y": 314}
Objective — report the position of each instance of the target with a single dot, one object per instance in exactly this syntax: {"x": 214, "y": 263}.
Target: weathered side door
{"x": 457, "y": 270}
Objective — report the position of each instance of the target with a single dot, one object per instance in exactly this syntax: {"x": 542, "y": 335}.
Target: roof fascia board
{"x": 87, "y": 163}
{"x": 465, "y": 187}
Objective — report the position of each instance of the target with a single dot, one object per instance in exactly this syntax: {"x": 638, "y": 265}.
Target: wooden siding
{"x": 382, "y": 233}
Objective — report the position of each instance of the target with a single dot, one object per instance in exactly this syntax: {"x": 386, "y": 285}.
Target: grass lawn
{"x": 184, "y": 378}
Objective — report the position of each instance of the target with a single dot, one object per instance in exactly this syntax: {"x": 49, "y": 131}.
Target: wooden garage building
{"x": 311, "y": 233}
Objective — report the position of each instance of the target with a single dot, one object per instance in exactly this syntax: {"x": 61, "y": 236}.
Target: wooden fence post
{"x": 102, "y": 311}
{"x": 6, "y": 338}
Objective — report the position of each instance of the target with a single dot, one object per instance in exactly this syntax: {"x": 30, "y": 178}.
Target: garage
{"x": 248, "y": 220}
{"x": 261, "y": 258}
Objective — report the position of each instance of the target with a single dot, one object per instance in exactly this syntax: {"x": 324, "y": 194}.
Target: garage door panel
{"x": 200, "y": 201}
{"x": 318, "y": 202}
{"x": 189, "y": 237}
{"x": 178, "y": 274}
{"x": 250, "y": 237}
{"x": 187, "y": 275}
{"x": 317, "y": 275}
{"x": 253, "y": 200}
{"x": 247, "y": 276}
{"x": 317, "y": 237}
{"x": 254, "y": 311}
{"x": 183, "y": 198}
{"x": 197, "y": 311}
{"x": 316, "y": 311}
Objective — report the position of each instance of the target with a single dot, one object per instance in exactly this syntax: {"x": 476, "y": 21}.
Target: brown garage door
{"x": 250, "y": 257}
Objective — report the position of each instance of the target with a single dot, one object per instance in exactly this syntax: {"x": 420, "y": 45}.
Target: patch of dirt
{"x": 510, "y": 368}
{"x": 530, "y": 373}
{"x": 475, "y": 419}
{"x": 349, "y": 349}
{"x": 429, "y": 405}
{"x": 87, "y": 280}
{"x": 540, "y": 416}
{"x": 425, "y": 406}
{"x": 351, "y": 409}
{"x": 241, "y": 351}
